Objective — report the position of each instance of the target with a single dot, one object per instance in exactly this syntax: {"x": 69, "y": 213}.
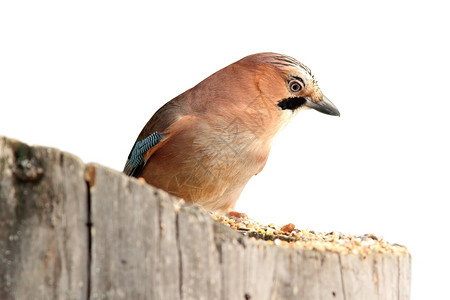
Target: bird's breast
{"x": 237, "y": 145}
{"x": 211, "y": 160}
{"x": 236, "y": 153}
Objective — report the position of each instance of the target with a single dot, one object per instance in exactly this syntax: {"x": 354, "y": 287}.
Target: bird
{"x": 204, "y": 145}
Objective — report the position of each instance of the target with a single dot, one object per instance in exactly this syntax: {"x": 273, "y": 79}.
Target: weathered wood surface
{"x": 43, "y": 215}
{"x": 74, "y": 231}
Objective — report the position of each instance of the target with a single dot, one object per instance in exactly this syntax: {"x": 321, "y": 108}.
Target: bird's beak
{"x": 325, "y": 106}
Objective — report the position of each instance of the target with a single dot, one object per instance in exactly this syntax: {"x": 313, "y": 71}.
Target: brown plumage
{"x": 214, "y": 137}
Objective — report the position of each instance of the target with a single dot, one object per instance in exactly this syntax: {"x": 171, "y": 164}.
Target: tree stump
{"x": 75, "y": 231}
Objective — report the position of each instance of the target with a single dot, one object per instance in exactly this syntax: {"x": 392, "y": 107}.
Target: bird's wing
{"x": 163, "y": 126}
{"x": 140, "y": 153}
{"x": 154, "y": 135}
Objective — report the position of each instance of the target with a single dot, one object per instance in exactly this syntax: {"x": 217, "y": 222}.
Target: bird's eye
{"x": 295, "y": 86}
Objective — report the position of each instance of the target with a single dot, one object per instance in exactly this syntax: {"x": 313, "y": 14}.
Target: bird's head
{"x": 288, "y": 83}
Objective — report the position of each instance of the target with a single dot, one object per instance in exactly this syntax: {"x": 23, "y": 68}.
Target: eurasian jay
{"x": 205, "y": 144}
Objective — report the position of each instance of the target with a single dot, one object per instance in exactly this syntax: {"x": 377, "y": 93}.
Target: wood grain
{"x": 75, "y": 231}
{"x": 43, "y": 237}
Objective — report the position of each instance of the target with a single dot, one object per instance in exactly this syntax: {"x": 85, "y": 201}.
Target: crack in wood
{"x": 93, "y": 262}
{"x": 342, "y": 277}
{"x": 89, "y": 235}
{"x": 180, "y": 258}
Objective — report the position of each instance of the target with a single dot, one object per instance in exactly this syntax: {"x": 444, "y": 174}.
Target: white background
{"x": 85, "y": 76}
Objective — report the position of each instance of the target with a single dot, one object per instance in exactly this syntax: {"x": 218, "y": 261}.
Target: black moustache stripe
{"x": 291, "y": 103}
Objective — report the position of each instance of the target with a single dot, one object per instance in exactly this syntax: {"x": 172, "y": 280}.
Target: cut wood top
{"x": 75, "y": 231}
{"x": 288, "y": 235}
